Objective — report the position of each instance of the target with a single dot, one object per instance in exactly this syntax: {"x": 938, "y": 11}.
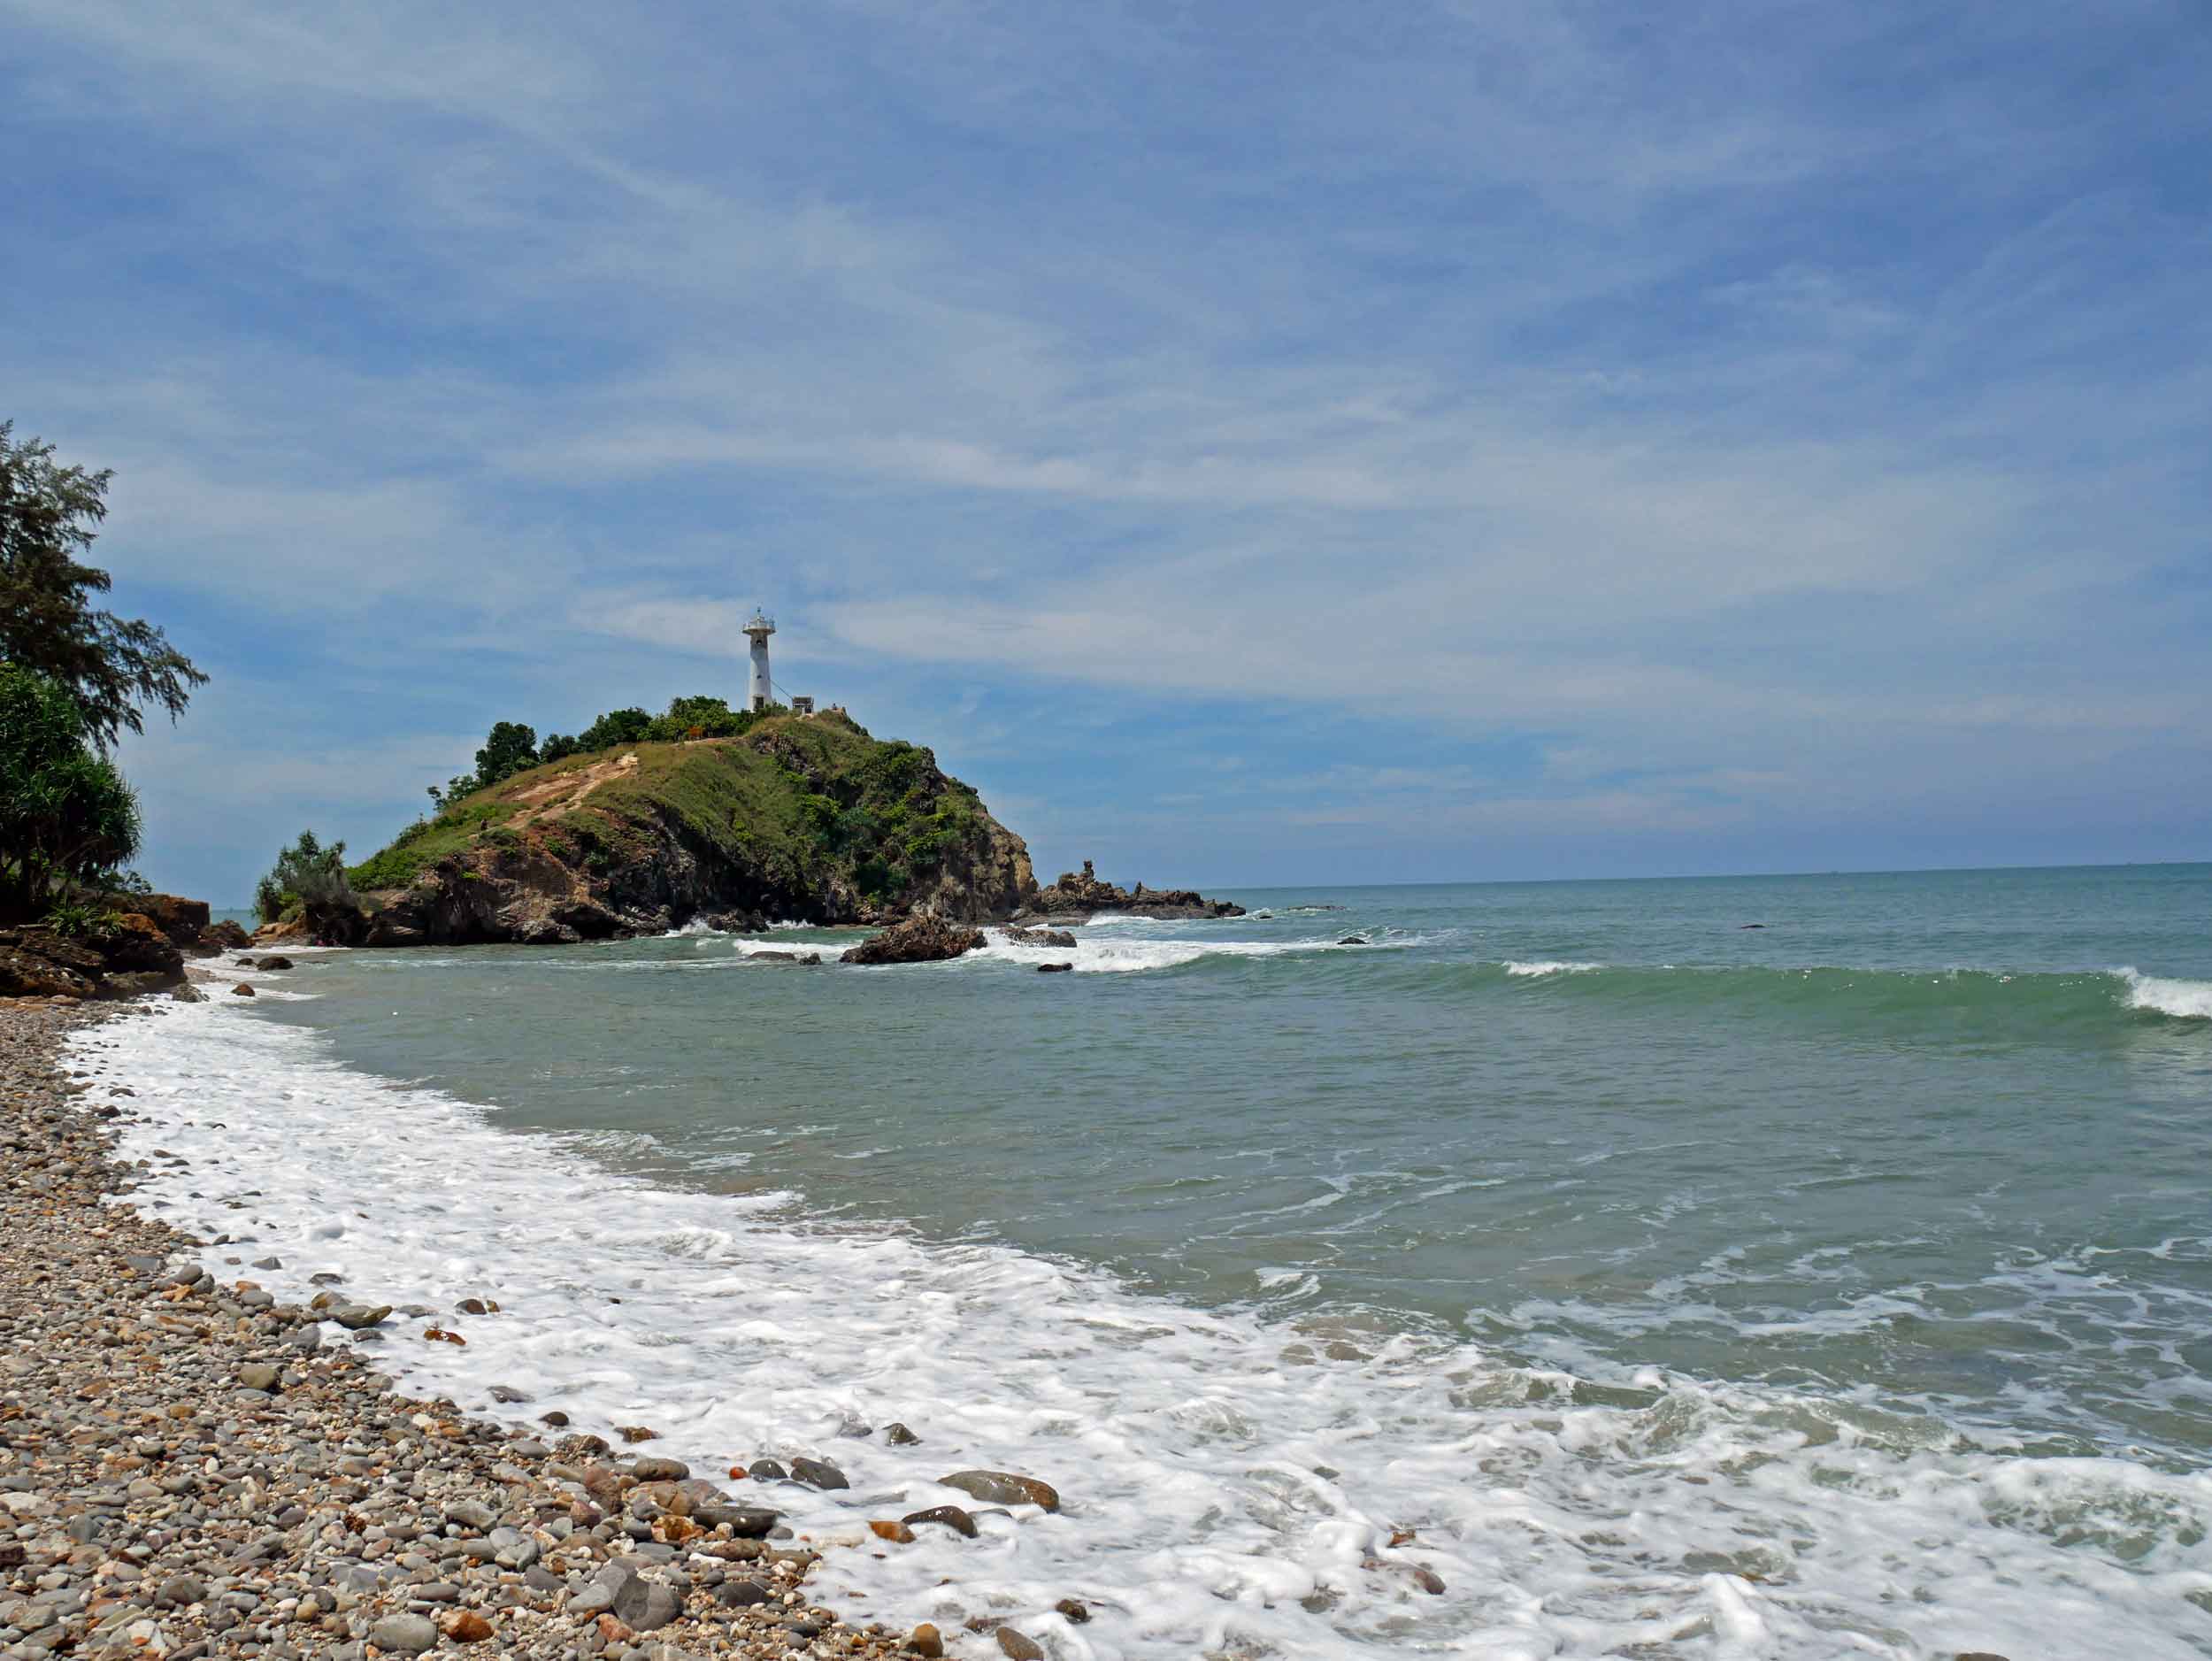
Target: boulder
{"x": 1059, "y": 937}
{"x": 925, "y": 938}
{"x": 1055, "y": 968}
{"x": 818, "y": 1473}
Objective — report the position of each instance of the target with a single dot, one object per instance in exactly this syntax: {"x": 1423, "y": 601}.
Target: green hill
{"x": 801, "y": 818}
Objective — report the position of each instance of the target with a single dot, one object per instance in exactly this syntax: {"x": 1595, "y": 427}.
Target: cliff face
{"x": 805, "y": 819}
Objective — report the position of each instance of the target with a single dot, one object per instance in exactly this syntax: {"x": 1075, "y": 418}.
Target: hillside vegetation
{"x": 808, "y": 819}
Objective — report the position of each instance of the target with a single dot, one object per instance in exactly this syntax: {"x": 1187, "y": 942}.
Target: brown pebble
{"x": 242, "y": 991}
{"x": 638, "y": 1432}
{"x": 1020, "y": 1646}
{"x": 924, "y": 1641}
{"x": 1429, "y": 1582}
{"x": 468, "y": 1626}
{"x": 1074, "y": 1610}
{"x": 898, "y": 1533}
{"x": 613, "y": 1631}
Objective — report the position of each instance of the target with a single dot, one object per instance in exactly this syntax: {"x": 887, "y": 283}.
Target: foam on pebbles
{"x": 185, "y": 1472}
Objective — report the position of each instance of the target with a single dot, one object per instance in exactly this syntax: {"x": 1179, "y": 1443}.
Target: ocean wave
{"x": 2185, "y": 1000}
{"x": 1523, "y": 970}
{"x": 1234, "y": 1485}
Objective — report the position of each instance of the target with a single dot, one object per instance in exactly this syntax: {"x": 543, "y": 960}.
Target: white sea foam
{"x": 1110, "y": 954}
{"x": 1231, "y": 1486}
{"x": 2191, "y": 1000}
{"x": 1548, "y": 966}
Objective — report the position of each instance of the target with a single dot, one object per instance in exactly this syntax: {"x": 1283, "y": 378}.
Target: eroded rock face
{"x": 130, "y": 955}
{"x": 1059, "y": 937}
{"x": 1080, "y": 895}
{"x": 925, "y": 939}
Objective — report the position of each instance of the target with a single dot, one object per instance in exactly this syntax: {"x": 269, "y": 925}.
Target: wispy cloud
{"x": 1783, "y": 423}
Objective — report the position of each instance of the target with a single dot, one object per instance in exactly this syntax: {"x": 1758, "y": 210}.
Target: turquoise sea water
{"x": 1928, "y": 1156}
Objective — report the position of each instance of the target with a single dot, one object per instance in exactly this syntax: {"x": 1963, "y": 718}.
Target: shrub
{"x": 307, "y": 873}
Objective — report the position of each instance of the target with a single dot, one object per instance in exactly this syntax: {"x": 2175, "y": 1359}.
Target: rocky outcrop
{"x": 1017, "y": 936}
{"x": 807, "y": 820}
{"x": 1079, "y": 895}
{"x": 125, "y": 956}
{"x": 927, "y": 938}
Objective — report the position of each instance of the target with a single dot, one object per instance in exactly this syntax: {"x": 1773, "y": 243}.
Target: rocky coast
{"x": 189, "y": 1467}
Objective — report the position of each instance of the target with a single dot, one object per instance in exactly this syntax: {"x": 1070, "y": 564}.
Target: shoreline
{"x": 189, "y": 1467}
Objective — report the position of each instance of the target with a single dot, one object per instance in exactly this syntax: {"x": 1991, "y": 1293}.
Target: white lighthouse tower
{"x": 761, "y": 693}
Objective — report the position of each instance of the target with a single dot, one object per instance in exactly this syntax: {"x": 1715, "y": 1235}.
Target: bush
{"x": 65, "y": 814}
{"x": 309, "y": 874}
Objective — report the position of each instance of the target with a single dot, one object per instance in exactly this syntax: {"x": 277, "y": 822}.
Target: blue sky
{"x": 1253, "y": 444}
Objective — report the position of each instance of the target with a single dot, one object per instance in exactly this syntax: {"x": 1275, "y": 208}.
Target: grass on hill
{"x": 793, "y": 800}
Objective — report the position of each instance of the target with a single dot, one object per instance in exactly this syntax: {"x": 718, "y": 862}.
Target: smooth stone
{"x": 644, "y": 1606}
{"x": 742, "y": 1594}
{"x": 951, "y": 1516}
{"x": 924, "y": 1641}
{"x": 766, "y": 1471}
{"x": 1004, "y": 1488}
{"x": 1019, "y": 1646}
{"x": 899, "y": 1437}
{"x": 260, "y": 1375}
{"x": 1074, "y": 1611}
{"x": 818, "y": 1473}
{"x": 652, "y": 1469}
{"x": 408, "y": 1634}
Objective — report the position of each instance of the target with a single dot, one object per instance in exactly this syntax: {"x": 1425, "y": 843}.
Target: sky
{"x": 1254, "y": 444}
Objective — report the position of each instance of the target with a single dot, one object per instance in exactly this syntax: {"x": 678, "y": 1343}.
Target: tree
{"x": 616, "y": 727}
{"x": 509, "y": 748}
{"x": 65, "y": 814}
{"x": 112, "y": 666}
{"x": 307, "y": 873}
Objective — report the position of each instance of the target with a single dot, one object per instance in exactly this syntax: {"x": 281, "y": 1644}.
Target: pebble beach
{"x": 189, "y": 1467}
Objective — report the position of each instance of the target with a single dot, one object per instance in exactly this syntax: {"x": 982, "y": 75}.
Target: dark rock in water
{"x": 951, "y": 1516}
{"x": 1059, "y": 937}
{"x": 899, "y": 1437}
{"x": 1429, "y": 1581}
{"x": 1083, "y": 895}
{"x": 473, "y": 1306}
{"x": 243, "y": 963}
{"x": 1055, "y": 968}
{"x": 242, "y": 991}
{"x": 1072, "y": 1611}
{"x": 927, "y": 938}
{"x": 1004, "y": 1488}
{"x": 276, "y": 963}
{"x": 1019, "y": 1646}
{"x": 508, "y": 1393}
{"x": 360, "y": 1317}
{"x": 818, "y": 1473}
{"x": 746, "y": 1522}
{"x": 1352, "y": 940}
{"x": 767, "y": 1470}
{"x": 1755, "y": 925}
{"x": 557, "y": 1418}
{"x": 738, "y": 923}
{"x": 784, "y": 957}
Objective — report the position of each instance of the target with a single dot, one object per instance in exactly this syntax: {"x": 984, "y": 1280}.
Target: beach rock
{"x": 1352, "y": 940}
{"x": 951, "y": 1516}
{"x": 243, "y": 991}
{"x": 924, "y": 1641}
{"x": 818, "y": 1473}
{"x": 746, "y": 1522}
{"x": 897, "y": 1533}
{"x": 468, "y": 1626}
{"x": 899, "y": 1437}
{"x": 259, "y": 1375}
{"x": 1074, "y": 1611}
{"x": 644, "y": 1606}
{"x": 1429, "y": 1581}
{"x": 275, "y": 963}
{"x": 360, "y": 1316}
{"x": 924, "y": 938}
{"x": 1019, "y": 1646}
{"x": 1055, "y": 968}
{"x": 742, "y": 1594}
{"x": 767, "y": 1470}
{"x": 405, "y": 1635}
{"x": 1059, "y": 937}
{"x": 1003, "y": 1487}
{"x": 653, "y": 1468}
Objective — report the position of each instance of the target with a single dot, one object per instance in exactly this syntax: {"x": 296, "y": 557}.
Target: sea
{"x": 1790, "y": 1267}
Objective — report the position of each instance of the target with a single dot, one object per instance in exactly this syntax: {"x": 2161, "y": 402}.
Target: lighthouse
{"x": 761, "y": 693}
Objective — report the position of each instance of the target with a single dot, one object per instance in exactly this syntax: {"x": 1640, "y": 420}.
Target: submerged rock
{"x": 1004, "y": 1488}
{"x": 818, "y": 1473}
